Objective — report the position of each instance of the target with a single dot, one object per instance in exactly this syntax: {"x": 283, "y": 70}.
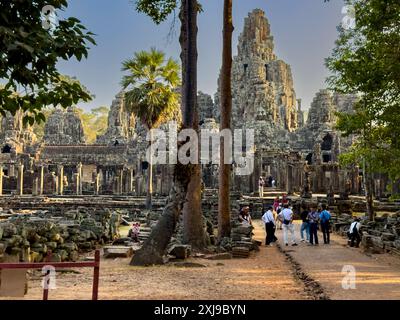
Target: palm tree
{"x": 151, "y": 94}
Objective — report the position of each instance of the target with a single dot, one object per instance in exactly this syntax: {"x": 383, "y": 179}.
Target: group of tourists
{"x": 281, "y": 214}
{"x": 314, "y": 217}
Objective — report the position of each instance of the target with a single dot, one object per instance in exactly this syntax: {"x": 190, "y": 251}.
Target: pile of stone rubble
{"x": 379, "y": 236}
{"x": 43, "y": 235}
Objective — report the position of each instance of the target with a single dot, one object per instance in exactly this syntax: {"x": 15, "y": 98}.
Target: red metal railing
{"x": 61, "y": 265}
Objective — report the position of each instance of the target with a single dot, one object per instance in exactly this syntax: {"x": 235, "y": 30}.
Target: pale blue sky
{"x": 304, "y": 33}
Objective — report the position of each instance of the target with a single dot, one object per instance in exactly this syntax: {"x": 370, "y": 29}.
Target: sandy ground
{"x": 265, "y": 275}
{"x": 376, "y": 276}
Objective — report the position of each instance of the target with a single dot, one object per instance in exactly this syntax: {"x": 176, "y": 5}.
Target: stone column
{"x": 41, "y": 179}
{"x": 79, "y": 179}
{"x": 35, "y": 186}
{"x": 289, "y": 179}
{"x": 121, "y": 182}
{"x": 76, "y": 179}
{"x": 1, "y": 180}
{"x": 97, "y": 184}
{"x": 131, "y": 180}
{"x": 60, "y": 175}
{"x": 20, "y": 180}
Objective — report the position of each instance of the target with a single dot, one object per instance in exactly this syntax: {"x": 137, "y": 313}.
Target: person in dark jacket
{"x": 313, "y": 218}
{"x": 325, "y": 218}
{"x": 305, "y": 226}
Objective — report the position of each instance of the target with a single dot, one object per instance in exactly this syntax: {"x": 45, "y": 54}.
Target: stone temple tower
{"x": 262, "y": 85}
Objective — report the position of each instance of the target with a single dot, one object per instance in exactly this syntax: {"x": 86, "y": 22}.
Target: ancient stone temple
{"x": 262, "y": 86}
{"x": 300, "y": 155}
{"x": 121, "y": 125}
{"x": 64, "y": 128}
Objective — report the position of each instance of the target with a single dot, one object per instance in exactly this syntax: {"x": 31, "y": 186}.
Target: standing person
{"x": 313, "y": 217}
{"x": 284, "y": 199}
{"x": 261, "y": 187}
{"x": 325, "y": 218}
{"x": 354, "y": 233}
{"x": 276, "y": 203}
{"x": 305, "y": 226}
{"x": 286, "y": 217}
{"x": 270, "y": 178}
{"x": 269, "y": 221}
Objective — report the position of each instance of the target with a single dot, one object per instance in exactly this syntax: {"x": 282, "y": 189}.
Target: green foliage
{"x": 151, "y": 85}
{"x": 29, "y": 54}
{"x": 94, "y": 122}
{"x": 366, "y": 61}
{"x": 159, "y": 10}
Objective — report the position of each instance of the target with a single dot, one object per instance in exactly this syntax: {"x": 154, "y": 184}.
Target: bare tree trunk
{"x": 224, "y": 220}
{"x": 185, "y": 176}
{"x": 153, "y": 250}
{"x": 193, "y": 227}
{"x": 150, "y": 178}
{"x": 368, "y": 187}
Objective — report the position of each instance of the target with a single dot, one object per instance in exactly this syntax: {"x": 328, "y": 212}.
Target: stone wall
{"x": 59, "y": 237}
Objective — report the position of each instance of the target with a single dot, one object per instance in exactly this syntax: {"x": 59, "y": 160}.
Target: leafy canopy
{"x": 29, "y": 54}
{"x": 366, "y": 60}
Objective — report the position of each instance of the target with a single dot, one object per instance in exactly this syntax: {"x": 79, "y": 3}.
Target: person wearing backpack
{"x": 354, "y": 233}
{"x": 286, "y": 217}
{"x": 325, "y": 218}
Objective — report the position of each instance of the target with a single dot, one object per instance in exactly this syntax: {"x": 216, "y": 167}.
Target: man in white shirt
{"x": 269, "y": 221}
{"x": 286, "y": 216}
{"x": 354, "y": 233}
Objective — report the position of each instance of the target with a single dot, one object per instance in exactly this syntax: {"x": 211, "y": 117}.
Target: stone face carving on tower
{"x": 64, "y": 128}
{"x": 262, "y": 86}
{"x": 121, "y": 124}
{"x": 13, "y": 134}
{"x": 206, "y": 107}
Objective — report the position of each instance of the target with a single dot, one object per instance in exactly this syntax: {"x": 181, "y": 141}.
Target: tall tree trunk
{"x": 368, "y": 187}
{"x": 150, "y": 177}
{"x": 154, "y": 248}
{"x": 193, "y": 227}
{"x": 224, "y": 220}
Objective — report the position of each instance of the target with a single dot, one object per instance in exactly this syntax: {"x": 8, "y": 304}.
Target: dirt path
{"x": 265, "y": 275}
{"x": 377, "y": 276}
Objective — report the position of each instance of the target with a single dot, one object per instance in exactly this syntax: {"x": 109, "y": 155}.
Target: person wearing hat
{"x": 261, "y": 186}
{"x": 354, "y": 233}
{"x": 269, "y": 221}
{"x": 244, "y": 216}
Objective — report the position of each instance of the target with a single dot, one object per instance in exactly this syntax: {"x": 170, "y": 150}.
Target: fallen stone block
{"x": 240, "y": 252}
{"x": 387, "y": 236}
{"x": 111, "y": 252}
{"x": 219, "y": 256}
{"x": 180, "y": 251}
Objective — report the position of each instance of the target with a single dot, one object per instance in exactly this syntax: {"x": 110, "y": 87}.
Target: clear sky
{"x": 304, "y": 33}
